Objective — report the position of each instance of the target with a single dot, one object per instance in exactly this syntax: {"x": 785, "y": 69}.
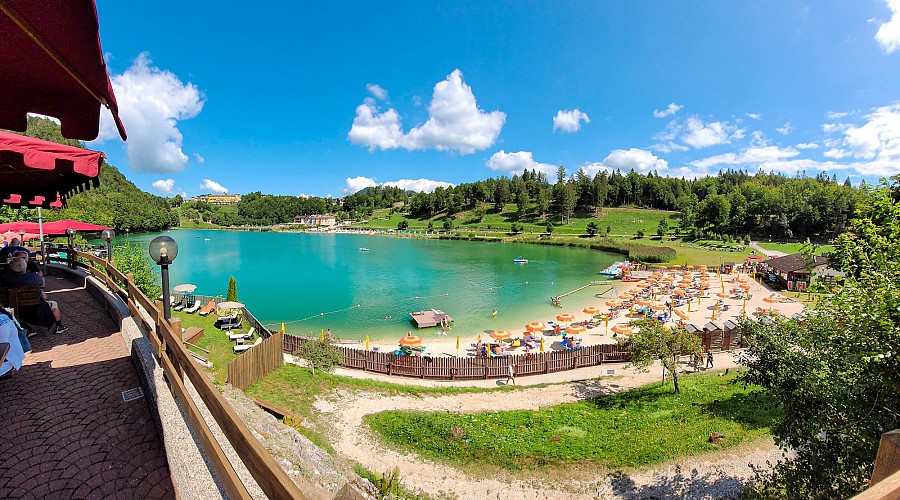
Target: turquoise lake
{"x": 296, "y": 277}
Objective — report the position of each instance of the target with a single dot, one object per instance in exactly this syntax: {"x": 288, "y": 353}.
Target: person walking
{"x": 709, "y": 359}
{"x": 511, "y": 374}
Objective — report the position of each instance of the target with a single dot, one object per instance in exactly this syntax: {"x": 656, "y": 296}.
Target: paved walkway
{"x": 768, "y": 253}
{"x": 68, "y": 433}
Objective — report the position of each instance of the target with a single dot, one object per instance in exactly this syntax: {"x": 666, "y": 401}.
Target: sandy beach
{"x": 702, "y": 307}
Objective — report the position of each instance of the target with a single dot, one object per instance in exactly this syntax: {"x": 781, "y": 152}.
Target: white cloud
{"x": 212, "y": 186}
{"x": 639, "y": 160}
{"x": 52, "y": 119}
{"x": 829, "y": 128}
{"x": 356, "y": 184}
{"x": 165, "y": 186}
{"x": 151, "y": 103}
{"x": 698, "y": 134}
{"x": 418, "y": 185}
{"x": 807, "y": 145}
{"x": 199, "y": 159}
{"x": 748, "y": 156}
{"x": 668, "y": 147}
{"x": 836, "y": 115}
{"x": 670, "y": 110}
{"x": 888, "y": 34}
{"x": 304, "y": 195}
{"x": 785, "y": 129}
{"x": 454, "y": 124}
{"x": 879, "y": 137}
{"x": 515, "y": 163}
{"x": 569, "y": 120}
{"x": 377, "y": 91}
{"x": 836, "y": 153}
{"x": 755, "y": 116}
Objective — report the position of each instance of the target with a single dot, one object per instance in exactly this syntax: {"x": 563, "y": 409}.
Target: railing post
{"x": 887, "y": 461}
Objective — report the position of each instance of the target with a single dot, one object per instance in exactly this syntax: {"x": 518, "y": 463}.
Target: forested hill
{"x": 116, "y": 203}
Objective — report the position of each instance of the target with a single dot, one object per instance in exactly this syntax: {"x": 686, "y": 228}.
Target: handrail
{"x": 176, "y": 361}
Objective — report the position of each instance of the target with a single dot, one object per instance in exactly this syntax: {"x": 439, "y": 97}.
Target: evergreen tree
{"x": 232, "y": 294}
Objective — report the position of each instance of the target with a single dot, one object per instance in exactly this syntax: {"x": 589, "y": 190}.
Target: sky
{"x": 326, "y": 98}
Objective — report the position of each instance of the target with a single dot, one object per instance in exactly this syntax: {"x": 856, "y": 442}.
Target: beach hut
{"x": 692, "y": 328}
{"x": 716, "y": 332}
{"x": 732, "y": 334}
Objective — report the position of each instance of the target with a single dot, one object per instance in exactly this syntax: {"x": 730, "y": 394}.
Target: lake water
{"x": 314, "y": 281}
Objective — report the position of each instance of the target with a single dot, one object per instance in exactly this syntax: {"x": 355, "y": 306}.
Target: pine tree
{"x": 232, "y": 290}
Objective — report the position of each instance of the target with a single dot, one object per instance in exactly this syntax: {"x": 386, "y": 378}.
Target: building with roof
{"x": 219, "y": 199}
{"x": 316, "y": 220}
{"x": 793, "y": 271}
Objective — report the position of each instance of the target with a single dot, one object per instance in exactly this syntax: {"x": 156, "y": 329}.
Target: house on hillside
{"x": 317, "y": 220}
{"x": 791, "y": 271}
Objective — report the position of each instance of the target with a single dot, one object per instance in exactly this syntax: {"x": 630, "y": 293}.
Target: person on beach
{"x": 511, "y": 375}
{"x": 709, "y": 359}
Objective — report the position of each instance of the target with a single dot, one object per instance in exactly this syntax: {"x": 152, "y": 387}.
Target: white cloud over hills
{"x": 356, "y": 184}
{"x": 151, "y": 103}
{"x": 569, "y": 120}
{"x": 455, "y": 122}
{"x": 517, "y": 162}
{"x": 211, "y": 186}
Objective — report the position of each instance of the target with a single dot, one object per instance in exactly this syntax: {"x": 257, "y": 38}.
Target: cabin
{"x": 793, "y": 272}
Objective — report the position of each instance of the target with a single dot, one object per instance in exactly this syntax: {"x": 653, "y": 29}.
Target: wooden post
{"x": 887, "y": 461}
{"x": 175, "y": 323}
{"x": 546, "y": 366}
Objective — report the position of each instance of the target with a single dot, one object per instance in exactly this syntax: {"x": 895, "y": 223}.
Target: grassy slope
{"x": 644, "y": 426}
{"x": 215, "y": 340}
{"x": 790, "y": 248}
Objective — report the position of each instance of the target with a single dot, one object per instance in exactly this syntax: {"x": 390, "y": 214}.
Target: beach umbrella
{"x": 185, "y": 288}
{"x": 723, "y": 295}
{"x": 411, "y": 341}
{"x": 323, "y": 335}
{"x": 542, "y": 344}
{"x": 457, "y": 345}
{"x": 282, "y": 327}
{"x": 623, "y": 329}
{"x": 682, "y": 315}
{"x": 660, "y": 307}
{"x": 635, "y": 291}
{"x": 367, "y": 343}
{"x": 535, "y": 326}
{"x": 565, "y": 318}
{"x": 501, "y": 335}
{"x": 613, "y": 303}
{"x": 576, "y": 330}
{"x": 591, "y": 310}
{"x": 229, "y": 305}
{"x": 644, "y": 302}
{"x": 625, "y": 296}
{"x": 678, "y": 291}
{"x": 689, "y": 266}
{"x": 744, "y": 287}
{"x": 771, "y": 300}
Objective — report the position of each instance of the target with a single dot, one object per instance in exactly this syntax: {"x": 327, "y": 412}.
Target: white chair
{"x": 194, "y": 308}
{"x": 242, "y": 336}
{"x": 245, "y": 347}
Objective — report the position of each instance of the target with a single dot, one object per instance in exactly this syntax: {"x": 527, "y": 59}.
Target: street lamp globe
{"x": 108, "y": 235}
{"x": 70, "y": 231}
{"x": 163, "y": 250}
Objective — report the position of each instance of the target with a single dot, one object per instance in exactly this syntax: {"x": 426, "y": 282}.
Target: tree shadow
{"x": 677, "y": 484}
{"x": 753, "y": 410}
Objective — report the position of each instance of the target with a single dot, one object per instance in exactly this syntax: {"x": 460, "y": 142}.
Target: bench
{"x": 18, "y": 297}
{"x": 192, "y": 333}
{"x": 288, "y": 417}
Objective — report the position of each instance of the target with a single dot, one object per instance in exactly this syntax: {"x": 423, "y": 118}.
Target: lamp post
{"x": 108, "y": 235}
{"x": 163, "y": 251}
{"x": 22, "y": 237}
{"x": 70, "y": 232}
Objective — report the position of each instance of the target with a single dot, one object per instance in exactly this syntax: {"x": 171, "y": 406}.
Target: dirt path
{"x": 768, "y": 253}
{"x": 714, "y": 475}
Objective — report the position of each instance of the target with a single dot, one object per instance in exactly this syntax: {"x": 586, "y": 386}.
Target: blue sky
{"x": 325, "y": 99}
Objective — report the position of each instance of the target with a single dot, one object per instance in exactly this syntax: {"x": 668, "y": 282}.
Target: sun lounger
{"x": 245, "y": 347}
{"x": 242, "y": 336}
{"x": 178, "y": 307}
{"x": 208, "y": 308}
{"x": 194, "y": 308}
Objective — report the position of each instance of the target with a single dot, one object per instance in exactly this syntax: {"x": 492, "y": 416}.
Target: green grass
{"x": 643, "y": 426}
{"x": 214, "y": 340}
{"x": 790, "y": 248}
{"x": 187, "y": 224}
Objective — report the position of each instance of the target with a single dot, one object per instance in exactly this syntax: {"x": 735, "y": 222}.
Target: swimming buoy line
{"x": 523, "y": 283}
{"x": 321, "y": 314}
{"x": 417, "y": 297}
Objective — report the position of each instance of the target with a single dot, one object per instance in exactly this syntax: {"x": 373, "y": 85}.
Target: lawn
{"x": 644, "y": 426}
{"x": 214, "y": 340}
{"x": 790, "y": 248}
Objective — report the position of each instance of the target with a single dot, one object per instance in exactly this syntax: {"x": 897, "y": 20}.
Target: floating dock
{"x": 429, "y": 318}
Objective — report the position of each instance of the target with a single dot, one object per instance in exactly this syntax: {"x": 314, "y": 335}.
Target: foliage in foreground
{"x": 321, "y": 354}
{"x": 656, "y": 341}
{"x": 131, "y": 259}
{"x": 836, "y": 371}
{"x": 647, "y": 425}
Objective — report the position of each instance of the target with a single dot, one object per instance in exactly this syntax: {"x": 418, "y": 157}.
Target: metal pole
{"x": 108, "y": 250}
{"x": 165, "y": 286}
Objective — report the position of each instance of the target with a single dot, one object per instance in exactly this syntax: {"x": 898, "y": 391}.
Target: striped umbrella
{"x": 723, "y": 295}
{"x": 625, "y": 296}
{"x": 623, "y": 329}
{"x": 565, "y": 318}
{"x": 501, "y": 335}
{"x": 411, "y": 341}
{"x": 744, "y": 287}
{"x": 614, "y": 303}
{"x": 591, "y": 310}
{"x": 535, "y": 326}
{"x": 681, "y": 315}
{"x": 660, "y": 307}
{"x": 645, "y": 302}
{"x": 772, "y": 300}
{"x": 576, "y": 330}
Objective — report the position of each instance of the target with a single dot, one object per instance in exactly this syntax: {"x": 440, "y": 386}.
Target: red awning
{"x": 35, "y": 172}
{"x": 53, "y": 65}
{"x": 60, "y": 226}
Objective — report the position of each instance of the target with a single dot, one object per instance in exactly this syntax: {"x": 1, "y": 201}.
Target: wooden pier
{"x": 430, "y": 317}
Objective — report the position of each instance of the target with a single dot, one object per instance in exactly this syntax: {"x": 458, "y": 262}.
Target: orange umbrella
{"x": 681, "y": 315}
{"x": 501, "y": 335}
{"x": 644, "y": 302}
{"x": 678, "y": 292}
{"x": 565, "y": 318}
{"x": 635, "y": 291}
{"x": 702, "y": 267}
{"x": 689, "y": 267}
{"x": 722, "y": 295}
{"x": 622, "y": 329}
{"x": 644, "y": 286}
{"x": 625, "y": 296}
{"x": 576, "y": 329}
{"x": 660, "y": 307}
{"x": 771, "y": 300}
{"x": 591, "y": 310}
{"x": 535, "y": 326}
{"x": 411, "y": 341}
{"x": 613, "y": 303}
{"x": 744, "y": 287}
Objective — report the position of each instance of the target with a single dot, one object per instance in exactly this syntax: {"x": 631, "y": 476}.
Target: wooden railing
{"x": 885, "y": 480}
{"x": 257, "y": 362}
{"x": 176, "y": 363}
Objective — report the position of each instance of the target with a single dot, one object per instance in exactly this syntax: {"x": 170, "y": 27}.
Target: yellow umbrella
{"x": 323, "y": 335}
{"x": 591, "y": 310}
{"x": 282, "y": 328}
{"x": 624, "y": 330}
{"x": 534, "y": 326}
{"x": 501, "y": 335}
{"x": 411, "y": 341}
{"x": 367, "y": 342}
{"x": 565, "y": 318}
{"x": 457, "y": 345}
{"x": 576, "y": 329}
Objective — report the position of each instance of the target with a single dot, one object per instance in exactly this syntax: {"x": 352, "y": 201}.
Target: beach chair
{"x": 179, "y": 306}
{"x": 242, "y": 336}
{"x": 194, "y": 308}
{"x": 208, "y": 308}
{"x": 246, "y": 347}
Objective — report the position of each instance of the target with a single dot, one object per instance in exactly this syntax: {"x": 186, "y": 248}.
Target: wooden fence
{"x": 469, "y": 368}
{"x": 176, "y": 362}
{"x": 256, "y": 363}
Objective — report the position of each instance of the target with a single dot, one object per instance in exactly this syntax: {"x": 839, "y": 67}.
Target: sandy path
{"x": 715, "y": 475}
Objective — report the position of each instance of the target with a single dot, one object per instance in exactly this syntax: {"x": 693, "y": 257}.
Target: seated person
{"x": 15, "y": 246}
{"x": 31, "y": 265}
{"x": 44, "y": 314}
{"x": 498, "y": 350}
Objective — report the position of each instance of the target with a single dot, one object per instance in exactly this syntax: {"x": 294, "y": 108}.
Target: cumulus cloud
{"x": 755, "y": 116}
{"x": 748, "y": 156}
{"x": 569, "y": 120}
{"x": 698, "y": 134}
{"x": 670, "y": 110}
{"x": 199, "y": 159}
{"x": 888, "y": 34}
{"x": 785, "y": 129}
{"x": 668, "y": 147}
{"x": 515, "y": 163}
{"x": 635, "y": 159}
{"x": 356, "y": 184}
{"x": 377, "y": 91}
{"x": 165, "y": 186}
{"x": 836, "y": 153}
{"x": 454, "y": 124}
{"x": 879, "y": 137}
{"x": 151, "y": 103}
{"x": 807, "y": 145}
{"x": 212, "y": 186}
{"x": 836, "y": 115}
